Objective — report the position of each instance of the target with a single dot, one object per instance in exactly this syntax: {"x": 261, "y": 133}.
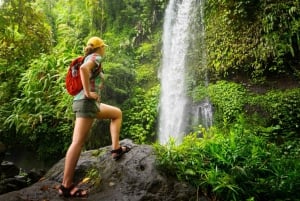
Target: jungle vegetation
{"x": 253, "y": 60}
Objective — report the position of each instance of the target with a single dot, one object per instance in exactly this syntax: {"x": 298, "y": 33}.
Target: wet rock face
{"x": 11, "y": 180}
{"x": 8, "y": 182}
{"x": 8, "y": 169}
{"x": 2, "y": 151}
{"x": 134, "y": 177}
{"x": 10, "y": 177}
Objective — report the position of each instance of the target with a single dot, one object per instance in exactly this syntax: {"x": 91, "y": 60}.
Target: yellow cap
{"x": 96, "y": 42}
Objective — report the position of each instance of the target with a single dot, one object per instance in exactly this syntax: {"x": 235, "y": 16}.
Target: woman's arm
{"x": 101, "y": 75}
{"x": 85, "y": 71}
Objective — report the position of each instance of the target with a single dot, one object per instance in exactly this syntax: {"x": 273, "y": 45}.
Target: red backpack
{"x": 73, "y": 80}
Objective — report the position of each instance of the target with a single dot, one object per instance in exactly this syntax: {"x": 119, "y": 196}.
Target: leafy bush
{"x": 42, "y": 111}
{"x": 228, "y": 99}
{"x": 237, "y": 165}
{"x": 275, "y": 115}
{"x": 140, "y": 119}
{"x": 283, "y": 108}
{"x": 255, "y": 38}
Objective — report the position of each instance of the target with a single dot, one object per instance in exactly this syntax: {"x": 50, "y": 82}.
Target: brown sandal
{"x": 66, "y": 192}
{"x": 119, "y": 152}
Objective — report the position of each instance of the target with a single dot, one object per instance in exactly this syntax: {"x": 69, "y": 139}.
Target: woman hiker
{"x": 87, "y": 107}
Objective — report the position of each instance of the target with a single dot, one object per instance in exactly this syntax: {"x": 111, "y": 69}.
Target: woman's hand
{"x": 93, "y": 95}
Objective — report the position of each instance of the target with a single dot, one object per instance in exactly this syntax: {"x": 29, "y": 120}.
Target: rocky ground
{"x": 135, "y": 177}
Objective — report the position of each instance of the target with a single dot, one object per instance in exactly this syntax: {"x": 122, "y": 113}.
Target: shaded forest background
{"x": 253, "y": 61}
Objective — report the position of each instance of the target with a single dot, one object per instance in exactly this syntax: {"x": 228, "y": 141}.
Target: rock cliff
{"x": 135, "y": 177}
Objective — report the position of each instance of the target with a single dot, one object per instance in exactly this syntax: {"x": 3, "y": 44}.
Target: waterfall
{"x": 175, "y": 106}
{"x": 203, "y": 113}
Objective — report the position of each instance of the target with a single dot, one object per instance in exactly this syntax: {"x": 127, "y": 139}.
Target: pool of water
{"x": 26, "y": 160}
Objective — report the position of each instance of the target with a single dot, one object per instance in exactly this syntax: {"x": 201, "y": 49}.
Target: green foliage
{"x": 146, "y": 70}
{"x": 229, "y": 35}
{"x": 255, "y": 157}
{"x": 94, "y": 175}
{"x": 281, "y": 27}
{"x": 138, "y": 17}
{"x": 228, "y": 99}
{"x": 253, "y": 37}
{"x": 236, "y": 165}
{"x": 42, "y": 111}
{"x": 23, "y": 34}
{"x": 118, "y": 79}
{"x": 140, "y": 119}
{"x": 274, "y": 114}
{"x": 283, "y": 113}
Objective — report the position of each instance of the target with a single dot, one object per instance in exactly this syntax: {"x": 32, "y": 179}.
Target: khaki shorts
{"x": 85, "y": 108}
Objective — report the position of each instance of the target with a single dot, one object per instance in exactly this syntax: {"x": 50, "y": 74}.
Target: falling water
{"x": 202, "y": 112}
{"x": 173, "y": 102}
{"x": 175, "y": 106}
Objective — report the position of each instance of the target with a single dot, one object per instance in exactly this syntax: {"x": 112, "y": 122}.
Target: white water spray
{"x": 175, "y": 107}
{"x": 173, "y": 100}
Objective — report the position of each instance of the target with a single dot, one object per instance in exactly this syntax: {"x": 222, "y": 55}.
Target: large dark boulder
{"x": 8, "y": 169}
{"x": 135, "y": 177}
{"x": 2, "y": 151}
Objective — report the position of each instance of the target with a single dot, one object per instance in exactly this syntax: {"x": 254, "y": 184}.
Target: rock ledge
{"x": 135, "y": 177}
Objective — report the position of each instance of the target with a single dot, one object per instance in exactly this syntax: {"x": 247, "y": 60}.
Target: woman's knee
{"x": 119, "y": 112}
{"x": 109, "y": 112}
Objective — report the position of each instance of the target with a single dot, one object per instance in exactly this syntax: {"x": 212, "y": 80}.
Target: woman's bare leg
{"x": 115, "y": 115}
{"x": 81, "y": 130}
